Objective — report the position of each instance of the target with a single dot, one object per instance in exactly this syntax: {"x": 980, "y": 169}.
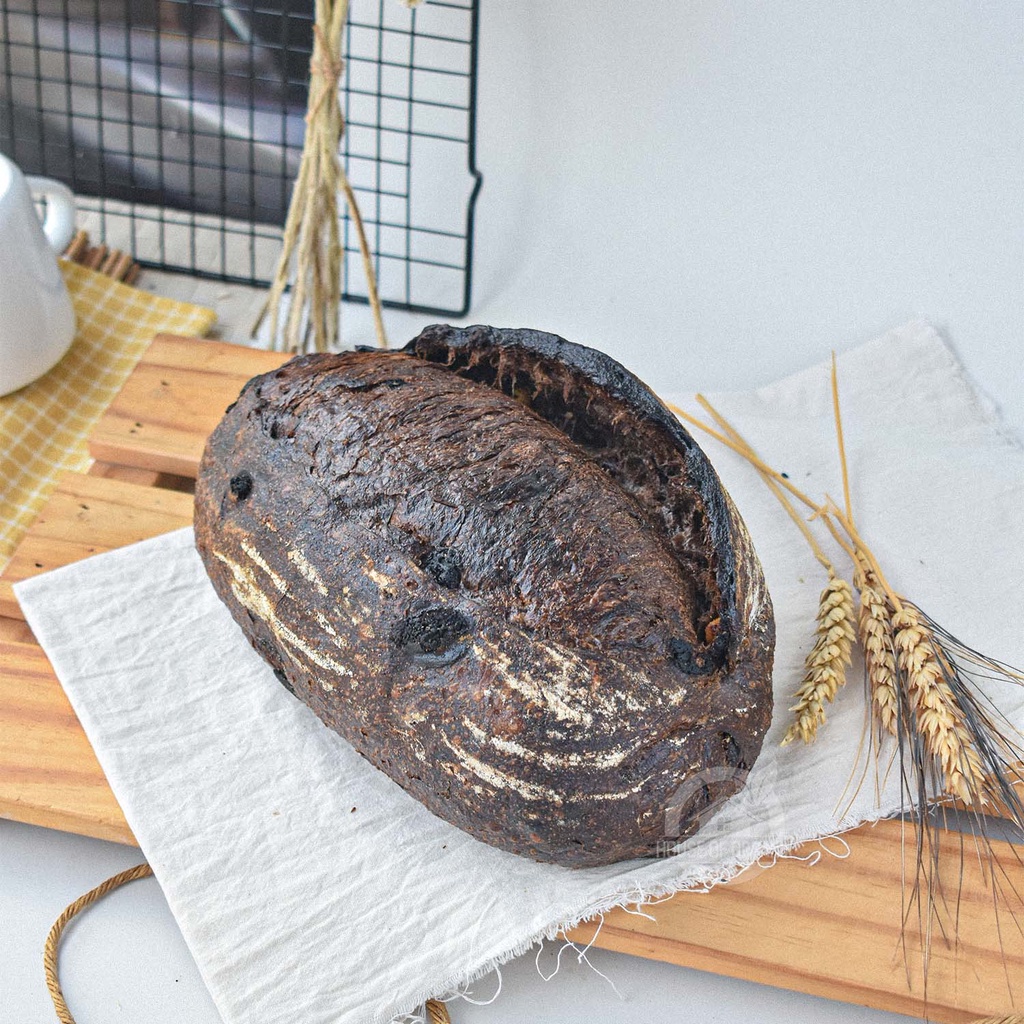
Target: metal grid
{"x": 180, "y": 123}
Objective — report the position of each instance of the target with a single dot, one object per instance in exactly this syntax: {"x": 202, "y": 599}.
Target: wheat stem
{"x": 837, "y": 416}
{"x": 748, "y": 452}
{"x": 843, "y": 542}
{"x": 864, "y": 552}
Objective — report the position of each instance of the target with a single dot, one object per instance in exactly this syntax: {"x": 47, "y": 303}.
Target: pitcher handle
{"x": 59, "y": 223}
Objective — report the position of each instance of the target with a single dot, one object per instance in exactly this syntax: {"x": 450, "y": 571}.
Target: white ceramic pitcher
{"x": 37, "y": 323}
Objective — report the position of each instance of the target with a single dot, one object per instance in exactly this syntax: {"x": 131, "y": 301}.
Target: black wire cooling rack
{"x": 179, "y": 124}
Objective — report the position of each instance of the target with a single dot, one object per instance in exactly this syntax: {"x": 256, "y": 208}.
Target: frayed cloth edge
{"x": 693, "y": 883}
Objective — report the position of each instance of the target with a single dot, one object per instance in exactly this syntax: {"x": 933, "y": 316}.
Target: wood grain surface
{"x": 161, "y": 418}
{"x": 88, "y": 515}
{"x": 49, "y": 774}
{"x": 832, "y": 929}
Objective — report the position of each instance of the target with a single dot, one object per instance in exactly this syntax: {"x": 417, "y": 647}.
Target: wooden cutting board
{"x": 831, "y": 928}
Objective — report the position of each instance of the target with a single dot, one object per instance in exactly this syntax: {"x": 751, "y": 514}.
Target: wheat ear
{"x": 827, "y": 662}
{"x": 878, "y": 640}
{"x": 935, "y": 708}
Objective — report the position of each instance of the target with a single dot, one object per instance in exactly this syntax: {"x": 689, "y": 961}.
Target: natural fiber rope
{"x": 53, "y": 939}
{"x": 312, "y": 253}
{"x": 328, "y": 66}
{"x": 437, "y": 1012}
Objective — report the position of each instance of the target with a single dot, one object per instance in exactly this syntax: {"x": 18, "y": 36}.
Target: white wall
{"x": 717, "y": 193}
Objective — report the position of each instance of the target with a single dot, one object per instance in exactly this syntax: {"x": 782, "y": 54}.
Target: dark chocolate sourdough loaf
{"x": 500, "y": 568}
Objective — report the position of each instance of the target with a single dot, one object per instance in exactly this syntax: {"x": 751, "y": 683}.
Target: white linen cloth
{"x": 310, "y": 888}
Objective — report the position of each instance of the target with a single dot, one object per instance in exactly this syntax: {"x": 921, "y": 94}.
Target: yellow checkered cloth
{"x": 44, "y": 426}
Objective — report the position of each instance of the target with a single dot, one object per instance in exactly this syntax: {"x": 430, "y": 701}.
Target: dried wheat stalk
{"x": 827, "y": 662}
{"x": 927, "y": 689}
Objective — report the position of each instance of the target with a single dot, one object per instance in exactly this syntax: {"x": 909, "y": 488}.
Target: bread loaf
{"x": 501, "y": 569}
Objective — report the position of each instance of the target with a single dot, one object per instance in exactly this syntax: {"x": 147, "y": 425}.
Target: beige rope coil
{"x": 437, "y": 1012}
{"x": 53, "y": 939}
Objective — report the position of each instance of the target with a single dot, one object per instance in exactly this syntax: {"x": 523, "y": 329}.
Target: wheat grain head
{"x": 877, "y": 639}
{"x": 825, "y": 666}
{"x": 939, "y": 720}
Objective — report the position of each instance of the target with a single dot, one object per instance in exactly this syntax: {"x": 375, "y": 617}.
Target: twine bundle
{"x": 312, "y": 254}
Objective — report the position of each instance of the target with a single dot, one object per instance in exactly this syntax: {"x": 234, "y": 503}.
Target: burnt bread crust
{"x": 500, "y": 568}
{"x": 591, "y": 397}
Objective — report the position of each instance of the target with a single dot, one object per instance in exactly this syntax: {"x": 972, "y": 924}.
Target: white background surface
{"x": 716, "y": 194}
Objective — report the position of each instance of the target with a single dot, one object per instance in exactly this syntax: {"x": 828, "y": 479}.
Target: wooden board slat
{"x": 833, "y": 929}
{"x": 87, "y": 515}
{"x": 49, "y": 774}
{"x": 16, "y": 630}
{"x": 176, "y": 395}
{"x": 199, "y": 355}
